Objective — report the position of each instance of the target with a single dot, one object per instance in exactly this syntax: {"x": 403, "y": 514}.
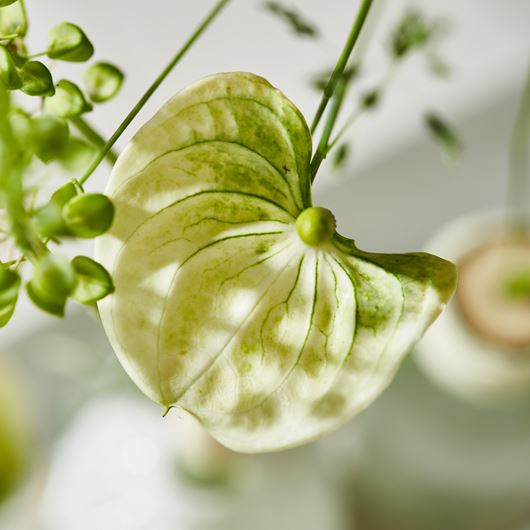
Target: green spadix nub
{"x": 315, "y": 226}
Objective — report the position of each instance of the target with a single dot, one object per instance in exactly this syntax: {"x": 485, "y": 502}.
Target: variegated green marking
{"x": 268, "y": 330}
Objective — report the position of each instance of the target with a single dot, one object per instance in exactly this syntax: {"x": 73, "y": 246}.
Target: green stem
{"x": 24, "y": 14}
{"x": 342, "y": 61}
{"x": 361, "y": 108}
{"x": 9, "y": 37}
{"x": 35, "y": 55}
{"x": 143, "y": 100}
{"x": 349, "y": 122}
{"x": 26, "y": 240}
{"x": 323, "y": 145}
{"x": 519, "y": 183}
{"x": 94, "y": 137}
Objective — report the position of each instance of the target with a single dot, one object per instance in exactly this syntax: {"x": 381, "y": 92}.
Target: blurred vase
{"x": 120, "y": 466}
{"x": 421, "y": 459}
{"x": 479, "y": 348}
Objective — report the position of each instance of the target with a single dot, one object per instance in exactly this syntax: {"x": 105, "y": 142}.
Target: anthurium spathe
{"x": 269, "y": 330}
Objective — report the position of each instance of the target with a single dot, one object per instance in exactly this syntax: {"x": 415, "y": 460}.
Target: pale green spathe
{"x": 219, "y": 307}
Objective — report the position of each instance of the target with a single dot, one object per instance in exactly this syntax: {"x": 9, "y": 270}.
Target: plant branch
{"x": 94, "y": 137}
{"x": 342, "y": 61}
{"x": 323, "y": 145}
{"x": 143, "y": 100}
{"x": 358, "y": 111}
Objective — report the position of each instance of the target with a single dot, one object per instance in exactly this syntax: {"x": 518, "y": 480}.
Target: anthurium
{"x": 235, "y": 298}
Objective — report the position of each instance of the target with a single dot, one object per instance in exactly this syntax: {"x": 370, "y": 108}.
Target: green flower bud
{"x": 48, "y": 220}
{"x": 50, "y": 135}
{"x": 93, "y": 281}
{"x": 89, "y": 215}
{"x": 102, "y": 82}
{"x": 36, "y": 79}
{"x": 9, "y": 287}
{"x": 76, "y": 155}
{"x": 52, "y": 282}
{"x": 315, "y": 226}
{"x": 8, "y": 71}
{"x": 68, "y": 42}
{"x": 21, "y": 125}
{"x": 444, "y": 135}
{"x": 13, "y": 19}
{"x": 68, "y": 101}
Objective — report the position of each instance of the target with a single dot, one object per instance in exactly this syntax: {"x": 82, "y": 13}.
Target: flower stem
{"x": 342, "y": 61}
{"x": 323, "y": 145}
{"x": 94, "y": 137}
{"x": 358, "y": 111}
{"x": 143, "y": 100}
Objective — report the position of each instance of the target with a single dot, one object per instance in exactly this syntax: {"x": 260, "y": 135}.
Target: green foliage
{"x": 444, "y": 135}
{"x": 341, "y": 155}
{"x": 48, "y": 220}
{"x": 36, "y": 79}
{"x": 371, "y": 99}
{"x": 52, "y": 282}
{"x": 4, "y": 3}
{"x": 88, "y": 215}
{"x": 8, "y": 70}
{"x": 76, "y": 155}
{"x": 13, "y": 20}
{"x": 295, "y": 20}
{"x": 320, "y": 81}
{"x": 412, "y": 32}
{"x": 229, "y": 297}
{"x": 9, "y": 287}
{"x": 49, "y": 137}
{"x": 68, "y": 101}
{"x": 102, "y": 81}
{"x": 68, "y": 42}
{"x": 21, "y": 126}
{"x": 93, "y": 281}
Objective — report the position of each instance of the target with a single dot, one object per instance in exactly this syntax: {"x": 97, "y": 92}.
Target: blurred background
{"x": 447, "y": 446}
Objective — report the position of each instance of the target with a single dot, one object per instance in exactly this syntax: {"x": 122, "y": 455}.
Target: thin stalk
{"x": 349, "y": 122}
{"x": 24, "y": 13}
{"x": 94, "y": 137}
{"x": 322, "y": 149}
{"x": 9, "y": 37}
{"x": 342, "y": 62}
{"x": 358, "y": 111}
{"x": 143, "y": 100}
{"x": 35, "y": 55}
{"x": 519, "y": 183}
{"x": 12, "y": 160}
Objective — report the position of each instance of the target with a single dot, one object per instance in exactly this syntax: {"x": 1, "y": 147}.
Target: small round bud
{"x": 103, "y": 81}
{"x": 88, "y": 215}
{"x": 315, "y": 226}
{"x": 68, "y": 42}
{"x": 52, "y": 282}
